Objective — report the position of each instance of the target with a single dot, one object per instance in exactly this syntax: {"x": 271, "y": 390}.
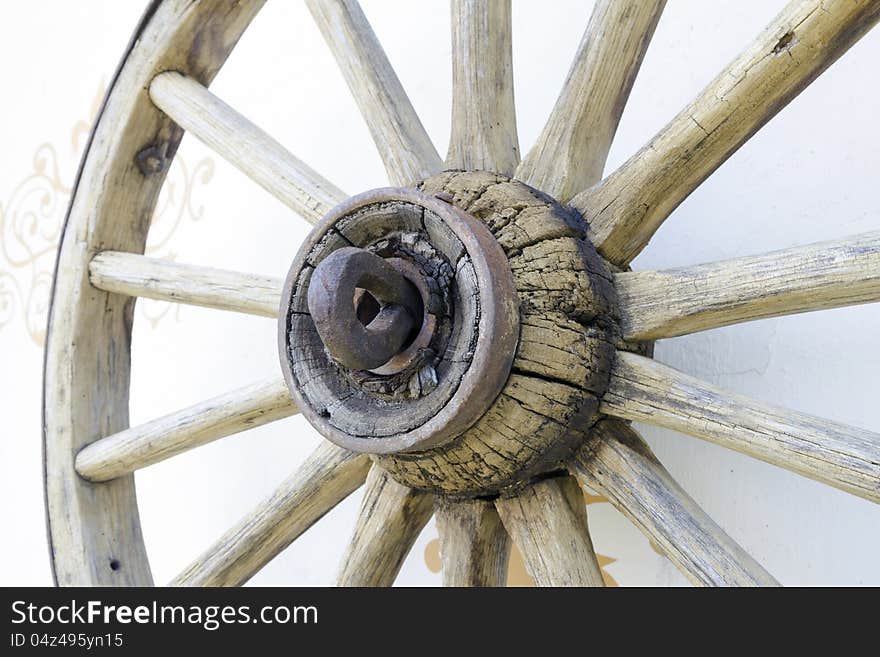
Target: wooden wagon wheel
{"x": 471, "y": 341}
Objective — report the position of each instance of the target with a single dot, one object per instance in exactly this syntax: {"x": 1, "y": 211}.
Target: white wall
{"x": 811, "y": 174}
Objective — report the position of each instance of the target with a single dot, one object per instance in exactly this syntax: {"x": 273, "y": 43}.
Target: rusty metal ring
{"x": 331, "y": 301}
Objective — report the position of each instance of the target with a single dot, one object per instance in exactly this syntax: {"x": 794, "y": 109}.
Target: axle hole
{"x": 367, "y": 308}
{"x": 115, "y": 564}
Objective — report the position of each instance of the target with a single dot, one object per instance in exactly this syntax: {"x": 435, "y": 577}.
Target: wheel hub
{"x": 461, "y": 332}
{"x": 439, "y": 346}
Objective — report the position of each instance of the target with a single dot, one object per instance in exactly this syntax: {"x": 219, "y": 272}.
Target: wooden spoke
{"x": 570, "y": 153}
{"x": 627, "y": 208}
{"x": 841, "y": 456}
{"x": 390, "y": 520}
{"x": 328, "y": 476}
{"x": 155, "y": 278}
{"x": 403, "y": 144}
{"x": 619, "y": 464}
{"x": 474, "y": 546}
{"x": 172, "y": 434}
{"x": 548, "y": 523}
{"x": 483, "y": 115}
{"x": 246, "y": 146}
{"x": 663, "y": 304}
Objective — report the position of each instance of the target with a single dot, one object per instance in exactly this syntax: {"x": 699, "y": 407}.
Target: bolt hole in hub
{"x": 404, "y": 319}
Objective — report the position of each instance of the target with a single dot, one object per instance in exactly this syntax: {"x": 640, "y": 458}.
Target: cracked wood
{"x": 483, "y": 134}
{"x": 474, "y": 546}
{"x": 627, "y": 208}
{"x": 400, "y": 137}
{"x": 155, "y": 278}
{"x": 842, "y": 456}
{"x": 245, "y": 145}
{"x": 667, "y": 303}
{"x": 548, "y": 523}
{"x": 390, "y": 520}
{"x": 563, "y": 359}
{"x": 139, "y": 446}
{"x": 570, "y": 153}
{"x": 617, "y": 463}
{"x": 94, "y": 529}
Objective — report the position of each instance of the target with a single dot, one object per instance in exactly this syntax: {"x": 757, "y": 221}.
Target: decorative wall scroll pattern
{"x": 32, "y": 215}
{"x": 30, "y": 225}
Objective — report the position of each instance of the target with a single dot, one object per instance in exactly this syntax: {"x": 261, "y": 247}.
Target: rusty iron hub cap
{"x": 401, "y": 324}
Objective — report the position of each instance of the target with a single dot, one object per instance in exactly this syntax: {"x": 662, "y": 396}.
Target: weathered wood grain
{"x": 483, "y": 114}
{"x": 617, "y": 463}
{"x": 95, "y": 533}
{"x": 666, "y": 303}
{"x": 565, "y": 350}
{"x": 403, "y": 143}
{"x": 94, "y": 529}
{"x": 548, "y": 523}
{"x": 439, "y": 381}
{"x": 327, "y": 477}
{"x": 839, "y": 455}
{"x": 245, "y": 145}
{"x": 390, "y": 520}
{"x": 474, "y": 546}
{"x": 570, "y": 153}
{"x": 627, "y": 208}
{"x": 155, "y": 278}
{"x": 137, "y": 447}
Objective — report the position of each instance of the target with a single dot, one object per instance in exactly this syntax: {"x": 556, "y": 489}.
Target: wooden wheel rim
{"x": 107, "y": 548}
